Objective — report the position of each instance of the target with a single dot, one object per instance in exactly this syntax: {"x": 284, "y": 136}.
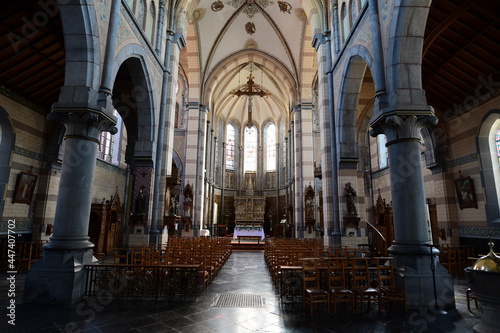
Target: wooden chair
{"x": 387, "y": 288}
{"x": 462, "y": 259}
{"x": 364, "y": 290}
{"x": 470, "y": 297}
{"x": 337, "y": 286}
{"x": 313, "y": 293}
{"x": 453, "y": 261}
{"x": 121, "y": 256}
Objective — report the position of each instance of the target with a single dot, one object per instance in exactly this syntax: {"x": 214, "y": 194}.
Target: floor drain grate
{"x": 239, "y": 301}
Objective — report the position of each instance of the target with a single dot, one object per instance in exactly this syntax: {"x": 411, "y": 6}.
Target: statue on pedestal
{"x": 140, "y": 204}
{"x": 350, "y": 194}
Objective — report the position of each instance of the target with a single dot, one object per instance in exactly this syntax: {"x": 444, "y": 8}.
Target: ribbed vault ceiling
{"x": 242, "y": 37}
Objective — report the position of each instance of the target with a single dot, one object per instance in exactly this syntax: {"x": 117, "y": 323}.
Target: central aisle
{"x": 245, "y": 273}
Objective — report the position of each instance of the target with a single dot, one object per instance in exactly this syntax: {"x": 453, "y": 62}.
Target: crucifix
{"x": 250, "y": 89}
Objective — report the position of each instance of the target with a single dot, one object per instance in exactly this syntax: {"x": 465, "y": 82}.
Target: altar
{"x": 249, "y": 211}
{"x": 249, "y": 229}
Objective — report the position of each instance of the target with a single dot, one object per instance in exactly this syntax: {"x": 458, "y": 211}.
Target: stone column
{"x": 412, "y": 247}
{"x": 59, "y": 277}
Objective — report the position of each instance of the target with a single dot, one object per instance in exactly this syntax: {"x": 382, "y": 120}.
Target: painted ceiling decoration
{"x": 285, "y": 7}
{"x": 250, "y": 28}
{"x": 251, "y": 7}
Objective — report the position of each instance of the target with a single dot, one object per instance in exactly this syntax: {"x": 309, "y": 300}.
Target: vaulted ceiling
{"x": 460, "y": 57}
{"x": 239, "y": 38}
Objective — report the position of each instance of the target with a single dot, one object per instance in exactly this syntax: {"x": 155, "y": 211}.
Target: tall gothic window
{"x": 382, "y": 151}
{"x": 109, "y": 145}
{"x": 141, "y": 16}
{"x": 250, "y": 149}
{"x": 354, "y": 11}
{"x": 230, "y": 146}
{"x": 150, "y": 24}
{"x": 497, "y": 142}
{"x": 345, "y": 22}
{"x": 270, "y": 139}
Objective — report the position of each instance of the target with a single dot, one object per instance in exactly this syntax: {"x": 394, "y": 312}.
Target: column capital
{"x": 401, "y": 124}
{"x": 86, "y": 124}
{"x": 321, "y": 38}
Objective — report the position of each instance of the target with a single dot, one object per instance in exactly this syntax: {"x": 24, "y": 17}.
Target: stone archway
{"x": 348, "y": 109}
{"x": 404, "y": 52}
{"x": 132, "y": 95}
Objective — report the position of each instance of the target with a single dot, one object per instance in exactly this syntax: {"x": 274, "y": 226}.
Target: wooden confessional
{"x": 105, "y": 228}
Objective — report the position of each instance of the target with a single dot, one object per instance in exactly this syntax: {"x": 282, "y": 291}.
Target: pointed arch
{"x": 133, "y": 98}
{"x": 360, "y": 60}
{"x": 490, "y": 165}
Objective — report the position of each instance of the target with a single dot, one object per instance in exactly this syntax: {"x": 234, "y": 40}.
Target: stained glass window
{"x": 497, "y": 141}
{"x": 109, "y": 144}
{"x": 250, "y": 149}
{"x": 382, "y": 151}
{"x": 230, "y": 146}
{"x": 271, "y": 147}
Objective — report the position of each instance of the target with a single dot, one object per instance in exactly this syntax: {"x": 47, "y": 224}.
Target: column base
{"x": 415, "y": 276}
{"x": 58, "y": 277}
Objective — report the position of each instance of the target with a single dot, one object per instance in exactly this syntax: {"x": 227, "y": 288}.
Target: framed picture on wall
{"x": 465, "y": 192}
{"x": 25, "y": 186}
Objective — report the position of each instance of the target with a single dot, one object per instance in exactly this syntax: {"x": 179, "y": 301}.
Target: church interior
{"x": 178, "y": 134}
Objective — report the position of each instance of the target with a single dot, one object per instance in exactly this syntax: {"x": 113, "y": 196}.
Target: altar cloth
{"x": 249, "y": 231}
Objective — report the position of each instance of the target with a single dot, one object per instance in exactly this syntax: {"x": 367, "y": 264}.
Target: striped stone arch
{"x": 309, "y": 68}
{"x": 81, "y": 43}
{"x": 190, "y": 56}
{"x": 404, "y": 55}
{"x": 360, "y": 60}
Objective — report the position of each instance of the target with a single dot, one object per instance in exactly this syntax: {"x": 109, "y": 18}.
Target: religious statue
{"x": 174, "y": 205}
{"x": 250, "y": 185}
{"x": 140, "y": 204}
{"x": 188, "y": 205}
{"x": 310, "y": 208}
{"x": 349, "y": 194}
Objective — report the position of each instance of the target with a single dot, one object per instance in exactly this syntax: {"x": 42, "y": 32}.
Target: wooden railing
{"x": 24, "y": 254}
{"x": 139, "y": 281}
{"x": 377, "y": 240}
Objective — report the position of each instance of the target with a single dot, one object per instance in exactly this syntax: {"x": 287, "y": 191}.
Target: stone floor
{"x": 244, "y": 273}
